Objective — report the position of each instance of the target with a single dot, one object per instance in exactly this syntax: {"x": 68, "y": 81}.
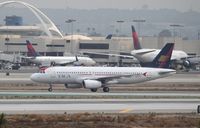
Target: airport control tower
{"x": 13, "y": 21}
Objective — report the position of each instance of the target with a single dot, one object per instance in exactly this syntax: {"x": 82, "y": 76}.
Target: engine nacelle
{"x": 73, "y": 85}
{"x": 78, "y": 63}
{"x": 91, "y": 84}
{"x": 187, "y": 63}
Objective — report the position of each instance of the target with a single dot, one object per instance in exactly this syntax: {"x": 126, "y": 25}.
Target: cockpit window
{"x": 42, "y": 69}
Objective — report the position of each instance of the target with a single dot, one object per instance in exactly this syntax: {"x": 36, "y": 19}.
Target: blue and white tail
{"x": 136, "y": 42}
{"x": 162, "y": 60}
{"x": 108, "y": 37}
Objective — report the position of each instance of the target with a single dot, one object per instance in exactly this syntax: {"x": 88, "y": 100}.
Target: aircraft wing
{"x": 26, "y": 57}
{"x": 106, "y": 54}
{"x": 63, "y": 63}
{"x": 105, "y": 79}
{"x": 143, "y": 51}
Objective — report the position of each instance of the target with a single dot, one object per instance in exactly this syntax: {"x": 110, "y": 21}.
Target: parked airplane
{"x": 147, "y": 55}
{"x": 94, "y": 78}
{"x": 162, "y": 60}
{"x": 57, "y": 60}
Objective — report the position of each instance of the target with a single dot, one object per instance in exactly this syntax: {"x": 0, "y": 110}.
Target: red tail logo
{"x": 136, "y": 42}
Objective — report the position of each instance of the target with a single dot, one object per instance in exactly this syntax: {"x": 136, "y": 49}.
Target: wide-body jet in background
{"x": 161, "y": 60}
{"x": 146, "y": 56}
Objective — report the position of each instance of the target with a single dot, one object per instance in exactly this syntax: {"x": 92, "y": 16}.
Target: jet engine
{"x": 77, "y": 63}
{"x": 91, "y": 84}
{"x": 187, "y": 63}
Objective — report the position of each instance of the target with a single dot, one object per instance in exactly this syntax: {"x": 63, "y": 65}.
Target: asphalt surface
{"x": 187, "y": 104}
{"x": 55, "y": 106}
{"x": 111, "y": 94}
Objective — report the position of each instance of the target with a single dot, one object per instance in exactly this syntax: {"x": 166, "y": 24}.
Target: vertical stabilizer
{"x": 162, "y": 60}
{"x": 136, "y": 42}
{"x": 109, "y": 37}
{"x": 31, "y": 50}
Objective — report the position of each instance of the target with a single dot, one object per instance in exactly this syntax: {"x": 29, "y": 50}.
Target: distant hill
{"x": 103, "y": 21}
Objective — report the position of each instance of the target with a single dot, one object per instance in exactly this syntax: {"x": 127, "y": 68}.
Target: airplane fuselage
{"x": 106, "y": 75}
{"x": 147, "y": 55}
{"x": 62, "y": 60}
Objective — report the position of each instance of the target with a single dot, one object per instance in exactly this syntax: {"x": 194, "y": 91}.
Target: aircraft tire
{"x": 93, "y": 90}
{"x": 50, "y": 89}
{"x": 106, "y": 89}
{"x": 198, "y": 109}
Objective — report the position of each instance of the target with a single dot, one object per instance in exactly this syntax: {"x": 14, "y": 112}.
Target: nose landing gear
{"x": 50, "y": 88}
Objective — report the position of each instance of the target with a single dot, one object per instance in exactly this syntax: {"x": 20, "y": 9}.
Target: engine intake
{"x": 92, "y": 84}
{"x": 187, "y": 63}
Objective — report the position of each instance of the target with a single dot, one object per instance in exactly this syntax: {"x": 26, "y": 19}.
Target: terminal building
{"x": 49, "y": 41}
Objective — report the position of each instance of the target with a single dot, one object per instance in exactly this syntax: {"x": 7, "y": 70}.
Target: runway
{"x": 110, "y": 94}
{"x": 121, "y": 102}
{"x": 55, "y": 106}
{"x": 19, "y": 78}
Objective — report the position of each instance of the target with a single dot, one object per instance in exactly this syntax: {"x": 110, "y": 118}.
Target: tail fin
{"x": 109, "y": 37}
{"x": 31, "y": 50}
{"x": 136, "y": 42}
{"x": 162, "y": 60}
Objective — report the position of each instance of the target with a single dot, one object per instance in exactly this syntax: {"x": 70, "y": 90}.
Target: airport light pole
{"x": 120, "y": 26}
{"x": 174, "y": 26}
{"x": 70, "y": 21}
{"x": 139, "y": 21}
{"x": 7, "y": 40}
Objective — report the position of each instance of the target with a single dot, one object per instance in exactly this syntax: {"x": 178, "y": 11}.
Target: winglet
{"x": 76, "y": 58}
{"x": 31, "y": 50}
{"x": 136, "y": 42}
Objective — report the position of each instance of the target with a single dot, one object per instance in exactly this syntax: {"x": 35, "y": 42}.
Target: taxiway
{"x": 55, "y": 106}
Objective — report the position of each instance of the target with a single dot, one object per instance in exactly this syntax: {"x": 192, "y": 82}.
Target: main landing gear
{"x": 50, "y": 88}
{"x": 93, "y": 89}
{"x": 105, "y": 89}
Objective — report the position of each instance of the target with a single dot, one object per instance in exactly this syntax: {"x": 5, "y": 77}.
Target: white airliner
{"x": 94, "y": 78}
{"x": 63, "y": 60}
{"x": 57, "y": 60}
{"x": 147, "y": 55}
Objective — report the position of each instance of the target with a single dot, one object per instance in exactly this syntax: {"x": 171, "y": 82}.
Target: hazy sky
{"x": 181, "y": 5}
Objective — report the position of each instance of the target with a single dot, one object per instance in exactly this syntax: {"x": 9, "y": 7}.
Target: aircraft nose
{"x": 35, "y": 77}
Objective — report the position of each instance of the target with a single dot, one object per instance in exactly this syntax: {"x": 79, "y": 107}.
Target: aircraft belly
{"x": 131, "y": 80}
